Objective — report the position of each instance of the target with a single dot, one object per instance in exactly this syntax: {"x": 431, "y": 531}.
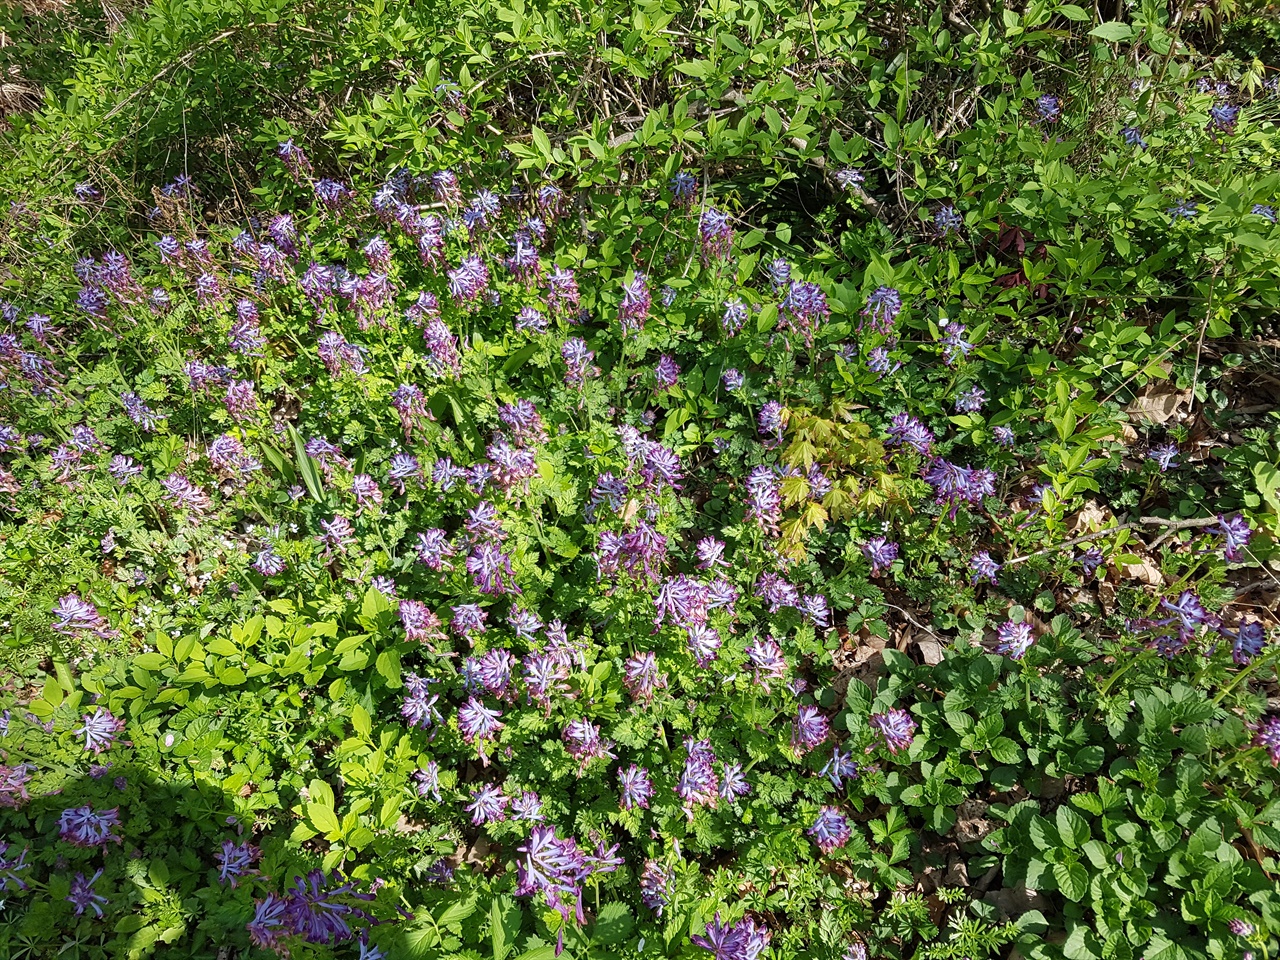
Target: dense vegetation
{"x": 751, "y": 480}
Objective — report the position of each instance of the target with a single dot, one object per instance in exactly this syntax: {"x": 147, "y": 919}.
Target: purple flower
{"x": 1133, "y": 137}
{"x": 881, "y": 553}
{"x": 946, "y": 219}
{"x": 767, "y": 662}
{"x": 770, "y": 422}
{"x": 1223, "y": 118}
{"x": 1265, "y": 211}
{"x": 10, "y": 868}
{"x": 83, "y": 896}
{"x": 427, "y": 781}
{"x": 1014, "y": 639}
{"x": 666, "y": 372}
{"x": 1048, "y": 109}
{"x": 267, "y": 928}
{"x": 830, "y": 829}
{"x": 527, "y": 807}
{"x": 1003, "y": 436}
{"x": 733, "y": 379}
{"x": 779, "y": 273}
{"x": 1165, "y": 456}
{"x": 848, "y": 178}
{"x": 420, "y": 624}
{"x": 764, "y": 503}
{"x": 683, "y": 185}
{"x": 13, "y": 781}
{"x": 76, "y": 616}
{"x": 636, "y": 788}
{"x": 1241, "y": 928}
{"x": 85, "y": 827}
{"x": 971, "y": 400}
{"x": 735, "y": 315}
{"x": 715, "y": 234}
{"x": 802, "y": 309}
{"x": 840, "y": 766}
{"x": 317, "y": 911}
{"x": 633, "y": 311}
{"x": 433, "y": 546}
{"x": 337, "y": 535}
{"x": 235, "y": 861}
{"x": 733, "y": 783}
{"x": 419, "y": 705}
{"x": 953, "y": 484}
{"x": 641, "y": 676}
{"x": 488, "y": 804}
{"x": 578, "y": 359}
{"x": 656, "y": 882}
{"x": 1247, "y": 641}
{"x": 1184, "y": 209}
{"x": 491, "y": 571}
{"x": 809, "y": 729}
{"x": 584, "y": 743}
{"x": 562, "y": 292}
{"x": 882, "y": 309}
{"x": 100, "y": 730}
{"x": 477, "y": 723}
{"x": 908, "y": 431}
{"x": 468, "y": 618}
{"x": 954, "y": 344}
{"x": 1090, "y": 560}
{"x": 1237, "y": 532}
{"x": 1267, "y": 735}
{"x": 740, "y": 941}
{"x": 982, "y": 567}
{"x": 268, "y": 562}
{"x": 895, "y": 727}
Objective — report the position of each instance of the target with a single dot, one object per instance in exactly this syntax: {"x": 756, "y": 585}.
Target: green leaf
{"x": 1072, "y": 12}
{"x": 1072, "y": 828}
{"x": 504, "y": 925}
{"x": 695, "y": 68}
{"x": 613, "y": 923}
{"x": 306, "y": 466}
{"x": 361, "y": 720}
{"x": 1073, "y": 879}
{"x": 542, "y": 142}
{"x": 388, "y": 665}
{"x": 323, "y": 817}
{"x": 1113, "y": 31}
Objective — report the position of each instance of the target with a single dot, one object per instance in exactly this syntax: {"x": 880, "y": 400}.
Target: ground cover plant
{"x": 741, "y": 481}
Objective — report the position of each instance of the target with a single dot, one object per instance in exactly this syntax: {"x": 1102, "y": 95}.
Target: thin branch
{"x": 1173, "y": 527}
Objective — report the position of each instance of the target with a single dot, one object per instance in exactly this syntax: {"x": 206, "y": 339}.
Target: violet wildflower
{"x": 710, "y": 553}
{"x": 427, "y": 781}
{"x": 1090, "y": 560}
{"x": 667, "y": 295}
{"x": 809, "y": 729}
{"x": 84, "y": 897}
{"x": 683, "y": 185}
{"x": 982, "y": 567}
{"x": 1267, "y": 735}
{"x": 318, "y": 911}
{"x": 13, "y": 783}
{"x": 802, "y": 309}
{"x": 10, "y": 867}
{"x": 85, "y": 827}
{"x": 420, "y": 624}
{"x": 656, "y": 882}
{"x": 1165, "y": 456}
{"x": 1265, "y": 211}
{"x": 584, "y": 743}
{"x": 445, "y": 475}
{"x": 641, "y": 676}
{"x": 764, "y": 503}
{"x": 666, "y": 373}
{"x": 562, "y": 291}
{"x": 1223, "y": 118}
{"x": 1048, "y": 109}
{"x": 76, "y": 616}
{"x": 704, "y": 642}
{"x": 813, "y": 607}
{"x": 908, "y": 431}
{"x": 776, "y": 592}
{"x": 578, "y": 359}
{"x": 882, "y": 309}
{"x": 1014, "y": 639}
{"x": 971, "y": 400}
{"x": 848, "y": 178}
{"x": 433, "y": 546}
{"x": 636, "y": 788}
{"x": 633, "y": 311}
{"x": 488, "y": 804}
{"x": 840, "y": 767}
{"x": 770, "y": 422}
{"x": 268, "y": 562}
{"x": 947, "y": 219}
{"x": 268, "y": 927}
{"x": 767, "y": 662}
{"x": 477, "y": 724}
{"x": 1133, "y": 137}
{"x": 419, "y": 705}
{"x": 527, "y": 808}
{"x": 100, "y": 730}
{"x": 733, "y": 783}
{"x": 830, "y": 830}
{"x": 740, "y": 941}
{"x": 490, "y": 568}
{"x": 895, "y": 727}
{"x": 715, "y": 234}
{"x": 733, "y": 379}
{"x": 468, "y": 618}
{"x": 880, "y": 362}
{"x": 779, "y": 273}
{"x": 235, "y": 861}
{"x": 954, "y": 344}
{"x": 1241, "y": 928}
{"x": 881, "y": 553}
{"x": 1237, "y": 532}
{"x": 1247, "y": 641}
{"x": 1003, "y": 436}
{"x": 336, "y": 535}
{"x": 735, "y": 315}
{"x": 1184, "y": 209}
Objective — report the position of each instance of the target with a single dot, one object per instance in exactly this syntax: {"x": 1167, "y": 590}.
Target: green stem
{"x": 1251, "y": 668}
{"x": 1102, "y": 692}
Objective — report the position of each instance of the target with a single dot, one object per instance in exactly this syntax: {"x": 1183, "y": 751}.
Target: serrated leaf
{"x": 323, "y": 817}
{"x": 504, "y": 925}
{"x": 1073, "y": 879}
{"x": 1072, "y": 828}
